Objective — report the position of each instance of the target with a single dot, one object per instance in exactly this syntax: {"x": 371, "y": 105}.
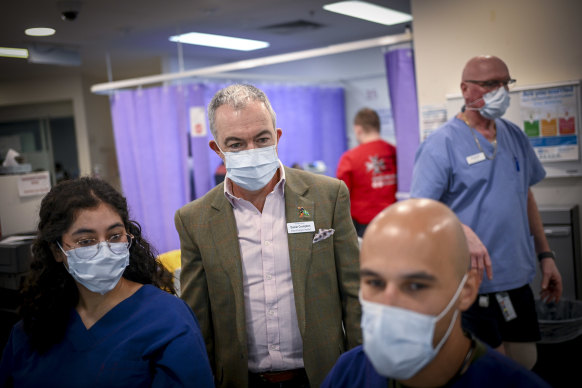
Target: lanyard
{"x": 481, "y": 149}
{"x": 479, "y": 144}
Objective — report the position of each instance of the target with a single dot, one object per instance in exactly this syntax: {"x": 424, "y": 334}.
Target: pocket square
{"x": 322, "y": 234}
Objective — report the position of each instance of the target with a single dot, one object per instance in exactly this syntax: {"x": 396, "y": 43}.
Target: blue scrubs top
{"x": 490, "y": 369}
{"x": 151, "y": 339}
{"x": 490, "y": 196}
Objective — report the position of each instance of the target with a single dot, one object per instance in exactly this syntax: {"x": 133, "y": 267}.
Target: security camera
{"x": 69, "y": 15}
{"x": 69, "y": 9}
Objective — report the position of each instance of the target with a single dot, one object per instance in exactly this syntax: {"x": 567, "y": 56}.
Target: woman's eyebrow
{"x": 83, "y": 230}
{"x": 86, "y": 230}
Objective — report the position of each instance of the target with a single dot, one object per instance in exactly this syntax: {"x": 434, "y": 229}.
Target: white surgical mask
{"x": 102, "y": 272}
{"x": 496, "y": 103}
{"x": 398, "y": 342}
{"x": 252, "y": 169}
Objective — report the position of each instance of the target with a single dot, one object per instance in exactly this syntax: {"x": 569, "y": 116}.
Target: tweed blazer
{"x": 324, "y": 276}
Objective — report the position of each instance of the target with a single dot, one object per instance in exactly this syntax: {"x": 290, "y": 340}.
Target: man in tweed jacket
{"x": 271, "y": 273}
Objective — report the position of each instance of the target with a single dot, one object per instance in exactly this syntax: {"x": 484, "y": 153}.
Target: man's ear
{"x": 358, "y": 131}
{"x": 470, "y": 289}
{"x": 214, "y": 147}
{"x": 464, "y": 87}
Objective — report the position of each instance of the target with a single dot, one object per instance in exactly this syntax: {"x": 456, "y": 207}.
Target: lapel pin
{"x": 302, "y": 212}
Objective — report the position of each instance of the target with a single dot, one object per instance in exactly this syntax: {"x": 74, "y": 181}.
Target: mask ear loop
{"x": 444, "y": 312}
{"x": 62, "y": 249}
{"x": 65, "y": 262}
{"x": 465, "y": 107}
{"x": 446, "y": 336}
{"x": 453, "y": 299}
{"x": 217, "y": 146}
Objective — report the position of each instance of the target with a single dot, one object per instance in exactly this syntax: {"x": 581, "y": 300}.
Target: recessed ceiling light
{"x": 370, "y": 12}
{"x": 39, "y": 31}
{"x": 13, "y": 52}
{"x": 220, "y": 41}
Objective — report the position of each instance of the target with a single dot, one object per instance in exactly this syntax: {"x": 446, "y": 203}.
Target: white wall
{"x": 538, "y": 39}
{"x": 101, "y": 140}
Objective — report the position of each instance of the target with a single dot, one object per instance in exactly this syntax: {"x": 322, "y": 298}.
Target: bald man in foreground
{"x": 414, "y": 282}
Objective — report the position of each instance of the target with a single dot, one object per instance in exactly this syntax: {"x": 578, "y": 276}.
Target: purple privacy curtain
{"x": 201, "y": 174}
{"x": 149, "y": 129}
{"x": 163, "y": 165}
{"x": 402, "y": 86}
{"x": 313, "y": 122}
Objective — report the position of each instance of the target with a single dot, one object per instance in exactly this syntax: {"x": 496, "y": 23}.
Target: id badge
{"x": 300, "y": 227}
{"x": 475, "y": 158}
{"x": 506, "y": 306}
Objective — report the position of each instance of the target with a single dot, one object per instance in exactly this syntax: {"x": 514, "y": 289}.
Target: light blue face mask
{"x": 252, "y": 169}
{"x": 102, "y": 272}
{"x": 398, "y": 342}
{"x": 496, "y": 104}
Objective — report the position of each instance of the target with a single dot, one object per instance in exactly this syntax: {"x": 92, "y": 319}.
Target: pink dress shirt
{"x": 273, "y": 337}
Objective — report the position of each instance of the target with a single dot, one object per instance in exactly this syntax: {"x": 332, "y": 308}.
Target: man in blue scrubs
{"x": 482, "y": 167}
{"x": 414, "y": 282}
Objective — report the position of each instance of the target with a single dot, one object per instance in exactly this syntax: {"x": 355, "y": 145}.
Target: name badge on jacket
{"x": 300, "y": 227}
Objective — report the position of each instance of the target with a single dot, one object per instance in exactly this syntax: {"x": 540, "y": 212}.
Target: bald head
{"x": 421, "y": 230}
{"x": 484, "y": 66}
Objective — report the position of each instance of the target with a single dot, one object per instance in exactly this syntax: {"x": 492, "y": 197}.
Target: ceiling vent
{"x": 293, "y": 27}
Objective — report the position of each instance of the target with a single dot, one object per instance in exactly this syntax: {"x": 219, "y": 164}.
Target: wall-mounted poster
{"x": 549, "y": 120}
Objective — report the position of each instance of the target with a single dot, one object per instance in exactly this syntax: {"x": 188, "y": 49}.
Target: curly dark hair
{"x": 49, "y": 291}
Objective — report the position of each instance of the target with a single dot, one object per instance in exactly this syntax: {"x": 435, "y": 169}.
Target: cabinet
{"x": 562, "y": 229}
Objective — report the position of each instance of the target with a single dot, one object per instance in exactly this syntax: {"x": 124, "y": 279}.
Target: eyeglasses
{"x": 509, "y": 83}
{"x": 88, "y": 248}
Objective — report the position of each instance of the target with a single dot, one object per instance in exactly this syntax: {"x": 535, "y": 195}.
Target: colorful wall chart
{"x": 550, "y": 119}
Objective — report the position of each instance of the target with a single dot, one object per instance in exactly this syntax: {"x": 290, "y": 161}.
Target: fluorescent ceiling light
{"x": 370, "y": 12}
{"x": 220, "y": 41}
{"x": 39, "y": 31}
{"x": 13, "y": 52}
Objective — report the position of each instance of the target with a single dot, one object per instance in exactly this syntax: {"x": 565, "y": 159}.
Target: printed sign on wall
{"x": 549, "y": 120}
{"x": 30, "y": 185}
{"x": 197, "y": 121}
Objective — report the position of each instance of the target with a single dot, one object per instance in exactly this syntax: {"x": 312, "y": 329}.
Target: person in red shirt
{"x": 369, "y": 170}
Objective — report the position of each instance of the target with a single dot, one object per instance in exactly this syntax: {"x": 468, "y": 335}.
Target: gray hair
{"x": 237, "y": 96}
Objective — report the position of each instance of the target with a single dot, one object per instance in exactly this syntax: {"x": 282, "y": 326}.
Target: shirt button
{"x": 268, "y": 276}
{"x": 271, "y": 313}
{"x": 274, "y": 347}
{"x": 267, "y": 243}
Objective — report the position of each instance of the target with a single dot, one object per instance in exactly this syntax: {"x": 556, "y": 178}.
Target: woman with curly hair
{"x": 93, "y": 309}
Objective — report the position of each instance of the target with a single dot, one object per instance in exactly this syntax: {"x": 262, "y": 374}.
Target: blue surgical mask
{"x": 100, "y": 273}
{"x": 399, "y": 342}
{"x": 252, "y": 169}
{"x": 496, "y": 103}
